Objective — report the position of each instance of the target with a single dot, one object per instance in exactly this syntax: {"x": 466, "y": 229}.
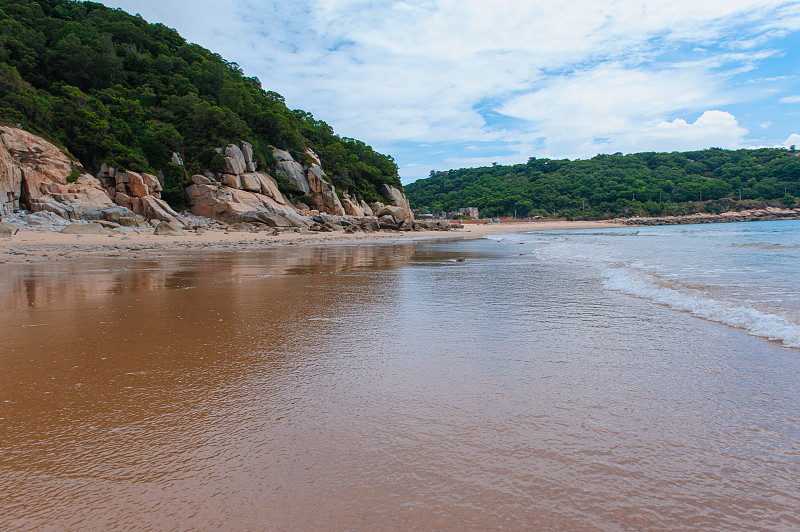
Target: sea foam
{"x": 756, "y": 322}
{"x": 740, "y": 275}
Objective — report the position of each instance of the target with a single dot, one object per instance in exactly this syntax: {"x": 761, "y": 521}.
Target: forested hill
{"x": 112, "y": 88}
{"x": 644, "y": 184}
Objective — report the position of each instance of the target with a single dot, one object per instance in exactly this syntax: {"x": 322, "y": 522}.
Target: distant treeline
{"x": 605, "y": 186}
{"x": 112, "y": 88}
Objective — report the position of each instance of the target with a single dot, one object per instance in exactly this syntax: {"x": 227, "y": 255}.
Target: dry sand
{"x": 37, "y": 246}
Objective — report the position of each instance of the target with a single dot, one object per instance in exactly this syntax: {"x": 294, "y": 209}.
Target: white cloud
{"x": 712, "y": 129}
{"x": 543, "y": 75}
{"x": 793, "y": 140}
{"x": 611, "y": 108}
{"x": 791, "y": 99}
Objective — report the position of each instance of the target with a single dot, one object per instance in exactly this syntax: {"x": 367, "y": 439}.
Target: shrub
{"x": 74, "y": 174}
{"x": 174, "y": 187}
{"x": 217, "y": 163}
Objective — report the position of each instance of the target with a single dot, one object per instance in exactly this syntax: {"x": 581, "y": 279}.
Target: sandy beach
{"x": 37, "y": 246}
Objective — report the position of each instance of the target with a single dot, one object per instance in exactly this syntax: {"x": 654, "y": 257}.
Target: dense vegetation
{"x": 645, "y": 184}
{"x": 110, "y": 87}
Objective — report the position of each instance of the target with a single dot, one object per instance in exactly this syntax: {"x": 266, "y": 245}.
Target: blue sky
{"x": 442, "y": 84}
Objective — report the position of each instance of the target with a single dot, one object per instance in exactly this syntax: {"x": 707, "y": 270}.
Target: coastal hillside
{"x": 608, "y": 186}
{"x": 117, "y": 91}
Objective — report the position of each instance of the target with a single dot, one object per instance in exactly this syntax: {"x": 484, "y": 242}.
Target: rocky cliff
{"x": 35, "y": 175}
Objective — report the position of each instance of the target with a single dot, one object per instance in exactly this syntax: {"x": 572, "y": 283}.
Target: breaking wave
{"x": 756, "y": 322}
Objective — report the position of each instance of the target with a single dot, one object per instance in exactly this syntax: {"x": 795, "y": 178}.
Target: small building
{"x": 471, "y": 212}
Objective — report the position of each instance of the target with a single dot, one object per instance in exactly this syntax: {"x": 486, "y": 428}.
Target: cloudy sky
{"x": 442, "y": 84}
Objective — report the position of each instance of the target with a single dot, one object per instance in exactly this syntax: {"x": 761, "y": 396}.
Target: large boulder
{"x": 234, "y": 160}
{"x": 133, "y": 192}
{"x": 89, "y": 180}
{"x": 251, "y": 182}
{"x": 7, "y": 230}
{"x": 282, "y": 156}
{"x": 323, "y": 193}
{"x": 123, "y": 200}
{"x": 36, "y": 153}
{"x": 232, "y": 180}
{"x": 153, "y": 185}
{"x": 169, "y": 229}
{"x": 369, "y": 224}
{"x": 398, "y": 199}
{"x": 247, "y": 151}
{"x": 351, "y": 206}
{"x": 366, "y": 208}
{"x": 397, "y": 213}
{"x": 93, "y": 228}
{"x": 198, "y": 179}
{"x": 132, "y": 183}
{"x": 388, "y": 223}
{"x": 117, "y": 214}
{"x": 232, "y": 206}
{"x": 269, "y": 187}
{"x": 153, "y": 208}
{"x": 86, "y": 193}
{"x": 291, "y": 170}
{"x": 49, "y": 204}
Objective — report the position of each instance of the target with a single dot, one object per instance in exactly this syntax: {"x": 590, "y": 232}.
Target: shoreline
{"x": 34, "y": 246}
{"x": 767, "y": 214}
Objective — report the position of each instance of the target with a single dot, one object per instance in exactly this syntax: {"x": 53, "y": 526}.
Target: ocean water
{"x": 620, "y": 379}
{"x": 745, "y": 275}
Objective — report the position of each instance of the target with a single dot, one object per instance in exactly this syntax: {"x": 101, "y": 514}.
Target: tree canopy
{"x": 111, "y": 87}
{"x": 605, "y": 186}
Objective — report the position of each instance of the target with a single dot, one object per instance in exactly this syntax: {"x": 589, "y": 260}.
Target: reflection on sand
{"x": 137, "y": 359}
{"x": 381, "y": 387}
{"x": 45, "y": 284}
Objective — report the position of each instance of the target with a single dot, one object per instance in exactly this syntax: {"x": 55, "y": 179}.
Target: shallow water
{"x": 383, "y": 387}
{"x": 741, "y": 274}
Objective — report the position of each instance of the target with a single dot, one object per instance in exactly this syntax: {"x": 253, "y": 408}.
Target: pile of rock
{"x": 138, "y": 193}
{"x": 371, "y": 224}
{"x": 767, "y": 214}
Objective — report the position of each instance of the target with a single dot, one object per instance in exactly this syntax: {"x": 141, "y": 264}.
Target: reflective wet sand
{"x": 381, "y": 387}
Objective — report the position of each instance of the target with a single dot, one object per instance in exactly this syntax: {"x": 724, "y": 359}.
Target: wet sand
{"x": 380, "y": 387}
{"x": 36, "y": 246}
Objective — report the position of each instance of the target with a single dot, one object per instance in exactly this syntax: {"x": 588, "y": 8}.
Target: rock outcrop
{"x": 247, "y": 151}
{"x": 291, "y": 170}
{"x": 353, "y": 208}
{"x": 34, "y": 175}
{"x": 234, "y": 205}
{"x": 322, "y": 192}
{"x": 37, "y": 176}
{"x": 240, "y": 194}
{"x": 140, "y": 193}
{"x": 10, "y": 181}
{"x": 398, "y": 199}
